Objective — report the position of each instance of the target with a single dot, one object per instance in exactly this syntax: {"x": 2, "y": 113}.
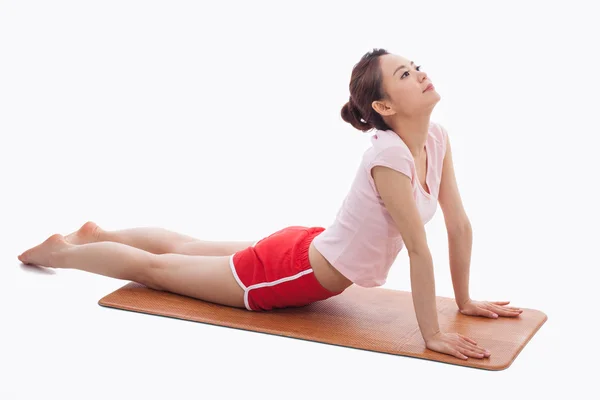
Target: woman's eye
{"x": 418, "y": 68}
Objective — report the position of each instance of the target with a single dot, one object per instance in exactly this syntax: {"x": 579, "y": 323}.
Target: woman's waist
{"x": 327, "y": 275}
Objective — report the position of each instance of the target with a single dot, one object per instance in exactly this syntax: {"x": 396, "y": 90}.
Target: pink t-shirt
{"x": 363, "y": 241}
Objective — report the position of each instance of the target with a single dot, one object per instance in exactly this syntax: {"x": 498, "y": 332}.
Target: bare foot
{"x": 40, "y": 254}
{"x": 88, "y": 233}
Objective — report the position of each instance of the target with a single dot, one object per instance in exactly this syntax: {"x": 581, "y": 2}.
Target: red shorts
{"x": 275, "y": 272}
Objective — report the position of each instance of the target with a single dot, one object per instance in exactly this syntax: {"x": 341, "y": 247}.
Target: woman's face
{"x": 405, "y": 88}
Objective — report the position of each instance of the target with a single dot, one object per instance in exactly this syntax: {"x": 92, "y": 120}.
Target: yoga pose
{"x": 403, "y": 175}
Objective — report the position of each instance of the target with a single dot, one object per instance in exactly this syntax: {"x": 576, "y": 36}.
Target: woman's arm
{"x": 396, "y": 192}
{"x": 393, "y": 182}
{"x": 458, "y": 226}
{"x": 422, "y": 282}
{"x": 459, "y": 247}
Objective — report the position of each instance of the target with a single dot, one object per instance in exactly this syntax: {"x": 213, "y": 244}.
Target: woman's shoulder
{"x": 383, "y": 140}
{"x": 437, "y": 132}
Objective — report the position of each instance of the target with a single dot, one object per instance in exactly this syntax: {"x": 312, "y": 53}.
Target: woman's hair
{"x": 365, "y": 87}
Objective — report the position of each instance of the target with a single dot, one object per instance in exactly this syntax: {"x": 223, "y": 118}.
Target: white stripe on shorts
{"x": 263, "y": 284}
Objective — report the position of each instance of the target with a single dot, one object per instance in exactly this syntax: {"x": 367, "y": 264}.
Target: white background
{"x": 223, "y": 122}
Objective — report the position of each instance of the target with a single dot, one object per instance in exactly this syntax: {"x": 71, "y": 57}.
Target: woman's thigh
{"x": 207, "y": 278}
{"x": 212, "y": 248}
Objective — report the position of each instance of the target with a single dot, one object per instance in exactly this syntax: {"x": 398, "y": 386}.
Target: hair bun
{"x": 365, "y": 87}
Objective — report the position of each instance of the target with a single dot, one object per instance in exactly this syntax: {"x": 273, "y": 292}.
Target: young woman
{"x": 403, "y": 175}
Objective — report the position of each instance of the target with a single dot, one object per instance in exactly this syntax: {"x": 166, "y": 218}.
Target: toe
{"x": 23, "y": 258}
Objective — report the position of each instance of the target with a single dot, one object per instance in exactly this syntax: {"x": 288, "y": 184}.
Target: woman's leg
{"x": 204, "y": 278}
{"x": 156, "y": 240}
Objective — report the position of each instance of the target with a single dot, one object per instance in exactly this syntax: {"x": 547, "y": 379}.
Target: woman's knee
{"x": 151, "y": 272}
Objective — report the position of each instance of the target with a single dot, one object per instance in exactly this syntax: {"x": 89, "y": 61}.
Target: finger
{"x": 458, "y": 354}
{"x": 505, "y": 311}
{"x": 467, "y": 339}
{"x": 477, "y": 349}
{"x": 472, "y": 353}
{"x": 510, "y": 313}
{"x": 500, "y": 302}
{"x": 471, "y": 346}
{"x": 496, "y": 306}
{"x": 487, "y": 313}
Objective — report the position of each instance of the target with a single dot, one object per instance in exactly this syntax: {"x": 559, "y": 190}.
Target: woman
{"x": 395, "y": 192}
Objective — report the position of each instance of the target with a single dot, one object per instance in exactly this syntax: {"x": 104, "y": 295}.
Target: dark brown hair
{"x": 365, "y": 87}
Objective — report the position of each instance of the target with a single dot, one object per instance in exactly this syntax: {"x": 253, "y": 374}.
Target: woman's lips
{"x": 430, "y": 87}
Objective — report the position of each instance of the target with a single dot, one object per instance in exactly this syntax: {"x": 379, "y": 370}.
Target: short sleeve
{"x": 392, "y": 157}
{"x": 444, "y": 137}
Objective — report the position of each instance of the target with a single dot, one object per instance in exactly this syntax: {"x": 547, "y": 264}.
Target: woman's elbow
{"x": 459, "y": 228}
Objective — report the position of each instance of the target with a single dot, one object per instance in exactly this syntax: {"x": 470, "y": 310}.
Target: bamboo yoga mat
{"x": 376, "y": 319}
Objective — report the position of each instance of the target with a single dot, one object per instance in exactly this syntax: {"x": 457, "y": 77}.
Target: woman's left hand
{"x": 490, "y": 309}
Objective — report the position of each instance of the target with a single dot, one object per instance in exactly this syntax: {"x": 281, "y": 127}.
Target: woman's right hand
{"x": 456, "y": 345}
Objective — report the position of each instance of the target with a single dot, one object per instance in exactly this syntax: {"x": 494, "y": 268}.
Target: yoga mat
{"x": 376, "y": 319}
